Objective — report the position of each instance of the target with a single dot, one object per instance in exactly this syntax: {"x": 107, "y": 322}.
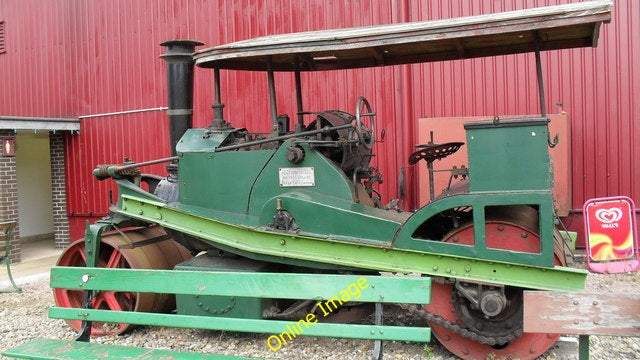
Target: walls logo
{"x": 609, "y": 217}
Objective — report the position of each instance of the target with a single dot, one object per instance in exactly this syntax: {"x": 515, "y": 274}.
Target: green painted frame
{"x": 276, "y": 244}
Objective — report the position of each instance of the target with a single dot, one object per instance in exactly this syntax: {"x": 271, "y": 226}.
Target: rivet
{"x": 467, "y": 268}
{"x": 466, "y": 351}
{"x": 381, "y": 331}
{"x": 201, "y": 288}
{"x": 447, "y": 270}
{"x": 500, "y": 227}
{"x": 532, "y": 350}
{"x": 435, "y": 267}
{"x": 575, "y": 302}
{"x": 447, "y": 338}
{"x": 524, "y": 235}
{"x": 283, "y": 242}
{"x": 595, "y": 303}
{"x": 373, "y": 285}
{"x": 381, "y": 296}
{"x": 373, "y": 332}
{"x": 140, "y": 212}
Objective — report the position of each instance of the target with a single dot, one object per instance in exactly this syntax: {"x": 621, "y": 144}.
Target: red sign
{"x": 8, "y": 147}
{"x": 610, "y": 229}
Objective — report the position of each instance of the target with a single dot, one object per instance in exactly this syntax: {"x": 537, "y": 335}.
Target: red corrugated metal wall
{"x": 72, "y": 58}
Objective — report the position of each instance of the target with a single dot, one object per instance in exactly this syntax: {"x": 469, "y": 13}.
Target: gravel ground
{"x": 23, "y": 317}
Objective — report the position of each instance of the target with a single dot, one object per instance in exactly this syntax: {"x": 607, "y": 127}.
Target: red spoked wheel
{"x": 115, "y": 252}
{"x": 452, "y": 305}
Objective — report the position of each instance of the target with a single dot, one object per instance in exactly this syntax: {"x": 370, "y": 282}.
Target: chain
{"x": 451, "y": 326}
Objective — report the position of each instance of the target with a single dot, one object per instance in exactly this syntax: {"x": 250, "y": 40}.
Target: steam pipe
{"x": 179, "y": 58}
{"x": 218, "y": 106}
{"x": 272, "y": 97}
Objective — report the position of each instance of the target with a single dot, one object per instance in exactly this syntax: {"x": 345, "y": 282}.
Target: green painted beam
{"x": 353, "y": 254}
{"x": 51, "y": 349}
{"x": 352, "y": 331}
{"x": 386, "y": 289}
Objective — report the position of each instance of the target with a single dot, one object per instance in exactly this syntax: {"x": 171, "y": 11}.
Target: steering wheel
{"x": 363, "y": 109}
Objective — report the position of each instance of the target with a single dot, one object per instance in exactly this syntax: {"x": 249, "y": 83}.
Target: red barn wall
{"x": 70, "y": 58}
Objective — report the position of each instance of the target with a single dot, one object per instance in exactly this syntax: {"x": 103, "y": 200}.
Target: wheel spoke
{"x": 79, "y": 250}
{"x": 114, "y": 259}
{"x": 108, "y": 299}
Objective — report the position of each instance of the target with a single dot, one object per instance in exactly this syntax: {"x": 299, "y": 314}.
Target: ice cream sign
{"x": 610, "y": 229}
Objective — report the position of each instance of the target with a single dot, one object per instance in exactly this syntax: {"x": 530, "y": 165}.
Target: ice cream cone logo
{"x": 608, "y": 216}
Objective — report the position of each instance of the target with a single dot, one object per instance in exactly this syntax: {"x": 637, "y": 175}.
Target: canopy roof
{"x": 553, "y": 27}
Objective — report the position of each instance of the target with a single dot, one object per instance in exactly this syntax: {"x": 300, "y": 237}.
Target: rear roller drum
{"x": 115, "y": 252}
{"x": 486, "y": 321}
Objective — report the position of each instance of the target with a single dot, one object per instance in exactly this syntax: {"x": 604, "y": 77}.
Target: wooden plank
{"x": 313, "y": 327}
{"x": 69, "y": 349}
{"x": 616, "y": 314}
{"x": 387, "y": 289}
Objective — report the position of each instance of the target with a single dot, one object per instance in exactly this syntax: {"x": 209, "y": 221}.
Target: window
{"x": 2, "y": 48}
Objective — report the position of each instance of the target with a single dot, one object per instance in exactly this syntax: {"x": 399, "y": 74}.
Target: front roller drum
{"x": 116, "y": 252}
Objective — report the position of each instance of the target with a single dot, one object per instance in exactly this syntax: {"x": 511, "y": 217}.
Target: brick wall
{"x": 59, "y": 190}
{"x": 9, "y": 196}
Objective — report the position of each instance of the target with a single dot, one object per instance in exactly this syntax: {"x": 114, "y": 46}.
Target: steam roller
{"x": 301, "y": 202}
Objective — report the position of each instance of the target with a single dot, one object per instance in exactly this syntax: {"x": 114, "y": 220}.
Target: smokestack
{"x": 179, "y": 59}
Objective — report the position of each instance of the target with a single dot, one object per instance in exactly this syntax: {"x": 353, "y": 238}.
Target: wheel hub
{"x": 493, "y": 311}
